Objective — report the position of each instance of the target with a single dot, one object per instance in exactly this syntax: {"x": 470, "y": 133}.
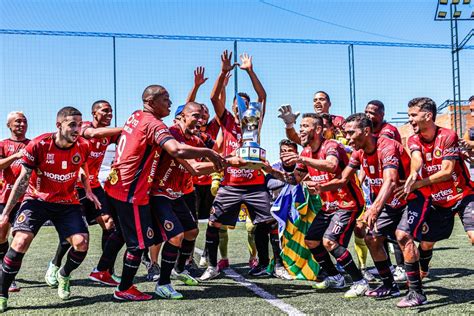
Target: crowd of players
{"x": 160, "y": 183}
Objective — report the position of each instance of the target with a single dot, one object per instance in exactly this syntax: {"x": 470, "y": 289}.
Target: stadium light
{"x": 466, "y": 1}
{"x": 455, "y": 1}
{"x": 443, "y": 2}
{"x": 454, "y": 11}
{"x": 457, "y": 14}
{"x": 442, "y": 14}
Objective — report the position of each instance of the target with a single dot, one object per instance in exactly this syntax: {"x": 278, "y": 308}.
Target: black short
{"x": 137, "y": 223}
{"x": 13, "y": 213}
{"x": 66, "y": 218}
{"x": 414, "y": 215}
{"x": 465, "y": 210}
{"x": 337, "y": 226}
{"x": 88, "y": 207}
{"x": 387, "y": 222}
{"x": 204, "y": 199}
{"x": 226, "y": 206}
{"x": 174, "y": 216}
{"x": 190, "y": 200}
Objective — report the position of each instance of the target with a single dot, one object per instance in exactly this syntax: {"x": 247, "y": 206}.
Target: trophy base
{"x": 254, "y": 156}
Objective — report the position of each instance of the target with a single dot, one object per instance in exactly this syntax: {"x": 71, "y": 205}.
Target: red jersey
{"x": 389, "y": 154}
{"x": 8, "y": 175}
{"x": 55, "y": 170}
{"x": 209, "y": 143}
{"x": 136, "y": 158}
{"x": 98, "y": 147}
{"x": 389, "y": 131}
{"x": 232, "y": 135}
{"x": 171, "y": 178}
{"x": 444, "y": 146}
{"x": 349, "y": 197}
{"x": 212, "y": 128}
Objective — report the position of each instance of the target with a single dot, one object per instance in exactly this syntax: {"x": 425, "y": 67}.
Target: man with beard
{"x": 435, "y": 153}
{"x": 51, "y": 165}
{"x": 11, "y": 152}
{"x": 324, "y": 159}
{"x": 99, "y": 136}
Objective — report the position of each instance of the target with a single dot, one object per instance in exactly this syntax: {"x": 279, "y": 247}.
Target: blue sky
{"x": 40, "y": 74}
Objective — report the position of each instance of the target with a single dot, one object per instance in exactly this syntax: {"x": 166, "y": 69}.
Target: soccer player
{"x": 324, "y": 159}
{"x": 239, "y": 185}
{"x": 11, "y": 152}
{"x": 435, "y": 153}
{"x": 321, "y": 104}
{"x": 385, "y": 163}
{"x": 51, "y": 166}
{"x": 143, "y": 139}
{"x": 99, "y": 136}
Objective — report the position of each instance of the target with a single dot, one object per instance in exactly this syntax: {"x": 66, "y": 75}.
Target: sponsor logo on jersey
{"x": 442, "y": 195}
{"x": 76, "y": 159}
{"x": 50, "y": 159}
{"x": 59, "y": 177}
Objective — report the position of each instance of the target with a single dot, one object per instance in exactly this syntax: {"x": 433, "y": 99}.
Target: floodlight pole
{"x": 236, "y": 83}
{"x": 115, "y": 84}
{"x": 456, "y": 71}
{"x": 352, "y": 79}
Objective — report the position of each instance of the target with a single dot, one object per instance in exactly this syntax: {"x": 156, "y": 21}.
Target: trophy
{"x": 250, "y": 117}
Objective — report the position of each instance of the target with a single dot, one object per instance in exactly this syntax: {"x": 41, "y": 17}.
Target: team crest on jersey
{"x": 113, "y": 177}
{"x": 150, "y": 179}
{"x": 168, "y": 225}
{"x": 11, "y": 148}
{"x": 157, "y": 154}
{"x": 76, "y": 159}
{"x": 425, "y": 229}
{"x": 21, "y": 218}
{"x": 437, "y": 153}
{"x": 150, "y": 233}
{"x": 105, "y": 141}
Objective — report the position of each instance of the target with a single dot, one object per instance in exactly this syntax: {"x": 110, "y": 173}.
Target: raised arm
{"x": 257, "y": 85}
{"x": 199, "y": 80}
{"x": 100, "y": 132}
{"x": 289, "y": 118}
{"x": 226, "y": 67}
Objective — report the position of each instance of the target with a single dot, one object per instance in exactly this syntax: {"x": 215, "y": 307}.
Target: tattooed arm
{"x": 19, "y": 188}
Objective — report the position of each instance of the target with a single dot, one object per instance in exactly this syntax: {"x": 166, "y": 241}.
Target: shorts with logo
{"x": 88, "y": 207}
{"x": 226, "y": 205}
{"x": 204, "y": 199}
{"x": 387, "y": 222}
{"x": 13, "y": 213}
{"x": 174, "y": 216}
{"x": 138, "y": 225}
{"x": 465, "y": 210}
{"x": 427, "y": 222}
{"x": 66, "y": 218}
{"x": 336, "y": 226}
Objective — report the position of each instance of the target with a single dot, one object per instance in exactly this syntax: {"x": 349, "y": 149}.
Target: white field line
{"x": 269, "y": 298}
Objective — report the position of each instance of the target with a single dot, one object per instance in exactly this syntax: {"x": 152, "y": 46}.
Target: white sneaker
{"x": 367, "y": 275}
{"x": 357, "y": 289}
{"x": 203, "y": 262}
{"x": 281, "y": 273}
{"x": 334, "y": 282}
{"x": 210, "y": 273}
{"x": 400, "y": 275}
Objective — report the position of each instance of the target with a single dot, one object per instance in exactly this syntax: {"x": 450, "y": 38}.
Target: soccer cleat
{"x": 132, "y": 294}
{"x": 184, "y": 277}
{"x": 400, "y": 274}
{"x": 3, "y": 304}
{"x": 413, "y": 299}
{"x": 146, "y": 260}
{"x": 259, "y": 270}
{"x": 424, "y": 274}
{"x": 357, "y": 289}
{"x": 223, "y": 264}
{"x": 367, "y": 275}
{"x": 153, "y": 272}
{"x": 383, "y": 291}
{"x": 167, "y": 291}
{"x": 281, "y": 273}
{"x": 203, "y": 262}
{"x": 64, "y": 286}
{"x": 103, "y": 277}
{"x": 50, "y": 276}
{"x": 253, "y": 262}
{"x": 210, "y": 273}
{"x": 14, "y": 287}
{"x": 334, "y": 282}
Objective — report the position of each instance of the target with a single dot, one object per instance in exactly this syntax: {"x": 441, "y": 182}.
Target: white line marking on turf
{"x": 231, "y": 273}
